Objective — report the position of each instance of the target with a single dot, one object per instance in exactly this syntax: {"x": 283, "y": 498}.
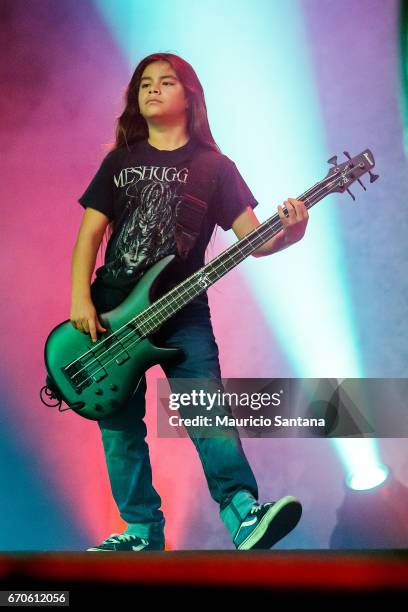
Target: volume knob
{"x": 113, "y": 387}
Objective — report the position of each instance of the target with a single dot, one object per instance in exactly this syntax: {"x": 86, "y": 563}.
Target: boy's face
{"x": 160, "y": 82}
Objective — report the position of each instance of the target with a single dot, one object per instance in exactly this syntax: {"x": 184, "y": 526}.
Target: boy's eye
{"x": 164, "y": 83}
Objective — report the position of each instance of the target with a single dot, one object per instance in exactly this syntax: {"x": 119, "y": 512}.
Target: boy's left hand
{"x": 294, "y": 226}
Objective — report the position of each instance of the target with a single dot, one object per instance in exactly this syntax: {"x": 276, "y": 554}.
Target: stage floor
{"x": 341, "y": 576}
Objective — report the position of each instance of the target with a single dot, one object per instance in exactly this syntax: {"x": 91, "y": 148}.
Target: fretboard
{"x": 178, "y": 297}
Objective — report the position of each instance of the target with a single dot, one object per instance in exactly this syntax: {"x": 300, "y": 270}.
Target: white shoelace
{"x": 258, "y": 507}
{"x": 121, "y": 537}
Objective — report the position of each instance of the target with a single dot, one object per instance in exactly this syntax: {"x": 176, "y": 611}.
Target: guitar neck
{"x": 178, "y": 297}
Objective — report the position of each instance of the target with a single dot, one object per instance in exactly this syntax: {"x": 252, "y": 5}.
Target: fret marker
{"x": 203, "y": 279}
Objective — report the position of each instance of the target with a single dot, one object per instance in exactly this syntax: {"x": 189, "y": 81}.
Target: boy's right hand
{"x": 84, "y": 318}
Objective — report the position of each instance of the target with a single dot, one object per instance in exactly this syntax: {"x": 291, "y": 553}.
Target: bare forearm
{"x": 275, "y": 244}
{"x": 83, "y": 264}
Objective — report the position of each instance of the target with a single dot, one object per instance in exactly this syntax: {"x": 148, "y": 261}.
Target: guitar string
{"x": 122, "y": 340}
{"x": 165, "y": 297}
{"x": 139, "y": 339}
{"x": 187, "y": 281}
{"x": 248, "y": 239}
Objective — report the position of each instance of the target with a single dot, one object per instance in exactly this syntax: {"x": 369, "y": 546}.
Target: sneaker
{"x": 267, "y": 523}
{"x": 125, "y": 542}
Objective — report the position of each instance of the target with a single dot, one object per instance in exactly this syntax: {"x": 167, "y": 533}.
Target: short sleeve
{"x": 233, "y": 195}
{"x": 99, "y": 193}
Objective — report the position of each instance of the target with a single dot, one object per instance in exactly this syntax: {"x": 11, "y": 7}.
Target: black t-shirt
{"x": 137, "y": 189}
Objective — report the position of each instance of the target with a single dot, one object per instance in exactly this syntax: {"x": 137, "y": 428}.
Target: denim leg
{"x": 229, "y": 477}
{"x": 129, "y": 468}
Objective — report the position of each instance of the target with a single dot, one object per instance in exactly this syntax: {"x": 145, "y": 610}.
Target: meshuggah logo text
{"x": 128, "y": 176}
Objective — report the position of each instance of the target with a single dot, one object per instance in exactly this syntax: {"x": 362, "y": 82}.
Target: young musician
{"x": 134, "y": 194}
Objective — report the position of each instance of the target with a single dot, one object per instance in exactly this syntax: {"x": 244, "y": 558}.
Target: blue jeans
{"x": 230, "y": 479}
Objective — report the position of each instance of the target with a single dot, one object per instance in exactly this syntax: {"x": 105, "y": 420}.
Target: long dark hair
{"x": 132, "y": 127}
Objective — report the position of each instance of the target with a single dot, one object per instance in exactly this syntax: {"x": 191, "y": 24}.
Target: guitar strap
{"x": 194, "y": 199}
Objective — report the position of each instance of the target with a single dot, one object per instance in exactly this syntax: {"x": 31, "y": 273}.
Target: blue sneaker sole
{"x": 278, "y": 521}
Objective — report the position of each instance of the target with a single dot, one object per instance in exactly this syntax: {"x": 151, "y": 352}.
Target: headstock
{"x": 341, "y": 176}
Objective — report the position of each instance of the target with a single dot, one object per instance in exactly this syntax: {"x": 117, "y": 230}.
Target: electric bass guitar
{"x": 95, "y": 379}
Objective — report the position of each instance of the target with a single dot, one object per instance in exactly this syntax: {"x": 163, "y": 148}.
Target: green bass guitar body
{"x": 96, "y": 378}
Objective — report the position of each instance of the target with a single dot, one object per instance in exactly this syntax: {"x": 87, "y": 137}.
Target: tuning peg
{"x": 349, "y": 192}
{"x": 333, "y": 160}
{"x": 373, "y": 177}
{"x": 362, "y": 184}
